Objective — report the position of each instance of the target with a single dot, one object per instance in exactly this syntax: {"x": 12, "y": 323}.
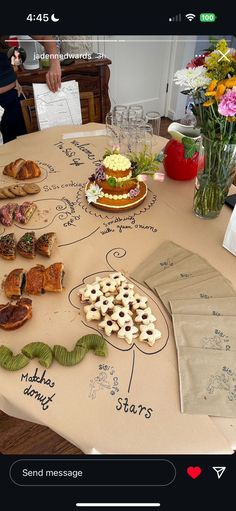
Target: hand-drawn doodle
{"x": 223, "y": 381}
{"x": 218, "y": 341}
{"x": 105, "y": 380}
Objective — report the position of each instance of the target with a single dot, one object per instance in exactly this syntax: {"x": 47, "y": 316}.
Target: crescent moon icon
{"x": 53, "y": 18}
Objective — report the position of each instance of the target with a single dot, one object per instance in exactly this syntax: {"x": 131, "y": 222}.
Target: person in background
{"x": 12, "y": 122}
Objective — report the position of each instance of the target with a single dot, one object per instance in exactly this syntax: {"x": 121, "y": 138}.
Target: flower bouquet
{"x": 211, "y": 81}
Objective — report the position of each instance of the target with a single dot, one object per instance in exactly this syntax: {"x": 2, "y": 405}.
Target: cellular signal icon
{"x": 176, "y": 18}
{"x": 190, "y": 17}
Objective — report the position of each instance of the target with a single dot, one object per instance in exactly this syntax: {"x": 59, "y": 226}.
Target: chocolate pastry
{"x": 34, "y": 280}
{"x": 14, "y": 283}
{"x": 26, "y": 245}
{"x": 53, "y": 278}
{"x": 46, "y": 243}
{"x": 8, "y": 247}
{"x": 14, "y": 316}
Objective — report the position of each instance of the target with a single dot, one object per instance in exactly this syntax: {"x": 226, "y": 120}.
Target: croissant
{"x": 28, "y": 170}
{"x": 13, "y": 168}
{"x": 22, "y": 169}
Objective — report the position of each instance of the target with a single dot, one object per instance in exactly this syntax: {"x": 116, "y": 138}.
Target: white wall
{"x": 143, "y": 65}
{"x": 139, "y": 70}
{"x": 183, "y": 50}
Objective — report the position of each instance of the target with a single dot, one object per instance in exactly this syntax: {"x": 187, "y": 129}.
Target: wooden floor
{"x": 22, "y": 437}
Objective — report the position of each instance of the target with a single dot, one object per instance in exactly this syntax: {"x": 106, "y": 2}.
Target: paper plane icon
{"x": 219, "y": 471}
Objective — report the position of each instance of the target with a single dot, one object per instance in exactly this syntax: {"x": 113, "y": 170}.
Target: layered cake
{"x": 113, "y": 186}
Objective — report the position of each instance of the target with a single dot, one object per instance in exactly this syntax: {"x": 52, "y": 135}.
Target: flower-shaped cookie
{"x": 109, "y": 325}
{"x": 121, "y": 315}
{"x": 92, "y": 292}
{"x": 118, "y": 278}
{"x": 91, "y": 312}
{"x": 140, "y": 302}
{"x": 126, "y": 286}
{"x": 149, "y": 334}
{"x": 125, "y": 297}
{"x": 128, "y": 332}
{"x": 104, "y": 304}
{"x": 107, "y": 285}
{"x": 144, "y": 316}
{"x": 81, "y": 294}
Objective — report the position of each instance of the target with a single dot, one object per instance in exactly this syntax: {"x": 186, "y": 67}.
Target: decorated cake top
{"x": 116, "y": 162}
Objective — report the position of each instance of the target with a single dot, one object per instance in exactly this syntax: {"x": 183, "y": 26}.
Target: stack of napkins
{"x": 203, "y": 307}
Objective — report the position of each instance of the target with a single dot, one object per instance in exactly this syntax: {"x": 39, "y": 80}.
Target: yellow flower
{"x": 213, "y": 93}
{"x": 212, "y": 85}
{"x": 230, "y": 82}
{"x": 217, "y": 67}
{"x": 220, "y": 91}
{"x": 209, "y": 102}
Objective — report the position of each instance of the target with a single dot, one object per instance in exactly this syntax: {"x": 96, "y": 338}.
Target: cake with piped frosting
{"x": 113, "y": 186}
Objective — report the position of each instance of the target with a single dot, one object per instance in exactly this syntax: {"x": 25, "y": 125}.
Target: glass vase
{"x": 216, "y": 170}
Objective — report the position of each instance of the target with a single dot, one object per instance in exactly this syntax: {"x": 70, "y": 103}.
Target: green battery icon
{"x": 207, "y": 17}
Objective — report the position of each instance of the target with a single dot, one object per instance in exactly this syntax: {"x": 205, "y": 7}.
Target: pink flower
{"x": 227, "y": 105}
{"x": 142, "y": 177}
{"x": 159, "y": 176}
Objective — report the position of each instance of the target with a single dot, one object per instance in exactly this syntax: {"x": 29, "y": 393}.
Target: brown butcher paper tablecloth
{"x": 129, "y": 401}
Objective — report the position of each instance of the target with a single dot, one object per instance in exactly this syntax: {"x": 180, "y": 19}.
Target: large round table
{"x": 81, "y": 408}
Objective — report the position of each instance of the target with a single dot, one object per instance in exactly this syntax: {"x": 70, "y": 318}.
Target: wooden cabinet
{"x": 91, "y": 75}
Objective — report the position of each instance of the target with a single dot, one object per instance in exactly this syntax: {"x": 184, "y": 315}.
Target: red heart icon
{"x": 194, "y": 472}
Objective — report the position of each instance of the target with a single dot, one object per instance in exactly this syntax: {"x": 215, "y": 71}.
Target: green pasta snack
{"x": 95, "y": 343}
{"x": 68, "y": 358}
{"x": 39, "y": 350}
{"x": 45, "y": 354}
{"x": 12, "y": 362}
{"x": 92, "y": 342}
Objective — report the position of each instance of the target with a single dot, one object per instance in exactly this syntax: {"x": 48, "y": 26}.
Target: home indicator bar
{"x": 117, "y": 504}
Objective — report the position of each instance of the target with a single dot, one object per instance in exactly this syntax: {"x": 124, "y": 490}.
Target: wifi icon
{"x": 190, "y": 17}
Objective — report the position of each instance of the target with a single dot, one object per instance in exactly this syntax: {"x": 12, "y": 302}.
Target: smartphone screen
{"x": 117, "y": 315}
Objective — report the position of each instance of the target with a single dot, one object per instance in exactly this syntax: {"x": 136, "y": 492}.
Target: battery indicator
{"x": 207, "y": 17}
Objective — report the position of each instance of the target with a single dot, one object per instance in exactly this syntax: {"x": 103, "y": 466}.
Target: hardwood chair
{"x": 30, "y": 118}
{"x": 29, "y": 115}
{"x": 87, "y": 107}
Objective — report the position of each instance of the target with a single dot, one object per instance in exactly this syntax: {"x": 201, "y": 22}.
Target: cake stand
{"x": 121, "y": 204}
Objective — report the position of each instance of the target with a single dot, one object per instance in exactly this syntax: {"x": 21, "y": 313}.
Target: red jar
{"x": 176, "y": 165}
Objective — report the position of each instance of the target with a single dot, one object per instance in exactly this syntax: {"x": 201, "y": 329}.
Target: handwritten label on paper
{"x": 166, "y": 264}
{"x": 70, "y": 152}
{"x": 63, "y": 186}
{"x": 128, "y": 223}
{"x": 48, "y": 166}
{"x": 124, "y": 405}
{"x": 41, "y": 379}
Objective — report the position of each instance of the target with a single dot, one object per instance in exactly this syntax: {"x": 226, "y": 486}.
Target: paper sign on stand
{"x": 57, "y": 108}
